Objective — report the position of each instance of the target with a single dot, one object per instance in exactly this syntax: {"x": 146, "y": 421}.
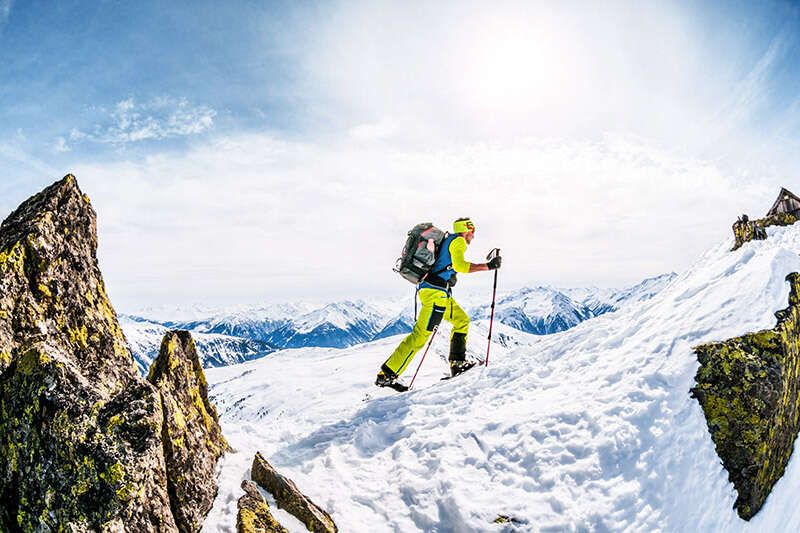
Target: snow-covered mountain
{"x": 546, "y": 310}
{"x": 538, "y": 310}
{"x": 336, "y": 325}
{"x": 144, "y": 338}
{"x": 640, "y": 292}
{"x": 245, "y": 333}
{"x": 256, "y": 323}
{"x": 591, "y": 429}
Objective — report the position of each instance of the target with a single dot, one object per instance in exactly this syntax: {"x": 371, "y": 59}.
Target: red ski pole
{"x": 435, "y": 329}
{"x": 494, "y": 253}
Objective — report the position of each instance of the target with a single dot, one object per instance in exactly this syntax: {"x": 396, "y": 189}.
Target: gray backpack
{"x": 420, "y": 252}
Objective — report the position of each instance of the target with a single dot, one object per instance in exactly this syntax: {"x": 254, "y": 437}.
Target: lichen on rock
{"x": 193, "y": 441}
{"x": 748, "y": 230}
{"x": 748, "y": 388}
{"x": 254, "y": 515}
{"x": 65, "y": 372}
{"x": 290, "y": 498}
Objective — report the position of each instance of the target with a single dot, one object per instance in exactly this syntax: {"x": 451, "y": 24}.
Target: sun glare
{"x": 514, "y": 66}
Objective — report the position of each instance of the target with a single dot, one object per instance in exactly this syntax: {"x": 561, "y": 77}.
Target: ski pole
{"x": 494, "y": 253}
{"x": 435, "y": 329}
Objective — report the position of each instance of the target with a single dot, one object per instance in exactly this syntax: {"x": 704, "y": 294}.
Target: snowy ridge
{"x": 538, "y": 310}
{"x": 339, "y": 324}
{"x": 589, "y": 429}
{"x": 546, "y": 310}
{"x": 144, "y": 339}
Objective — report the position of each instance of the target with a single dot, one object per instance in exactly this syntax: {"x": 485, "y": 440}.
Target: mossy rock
{"x": 254, "y": 515}
{"x": 756, "y": 229}
{"x": 748, "y": 388}
{"x": 58, "y": 467}
{"x": 193, "y": 441}
{"x": 80, "y": 431}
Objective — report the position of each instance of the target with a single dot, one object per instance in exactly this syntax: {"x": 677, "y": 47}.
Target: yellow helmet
{"x": 463, "y": 225}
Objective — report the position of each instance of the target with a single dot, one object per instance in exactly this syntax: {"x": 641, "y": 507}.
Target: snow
{"x": 590, "y": 429}
{"x": 339, "y": 314}
{"x": 144, "y": 338}
{"x": 241, "y": 333}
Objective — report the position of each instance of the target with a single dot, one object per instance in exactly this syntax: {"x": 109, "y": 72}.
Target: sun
{"x": 514, "y": 65}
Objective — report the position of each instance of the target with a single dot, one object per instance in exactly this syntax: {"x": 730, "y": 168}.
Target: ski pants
{"x": 436, "y": 305}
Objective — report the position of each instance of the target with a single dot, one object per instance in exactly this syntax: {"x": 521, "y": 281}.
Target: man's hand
{"x": 494, "y": 263}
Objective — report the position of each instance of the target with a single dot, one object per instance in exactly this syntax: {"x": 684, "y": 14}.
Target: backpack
{"x": 420, "y": 252}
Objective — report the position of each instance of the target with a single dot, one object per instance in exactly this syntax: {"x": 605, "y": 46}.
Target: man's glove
{"x": 494, "y": 263}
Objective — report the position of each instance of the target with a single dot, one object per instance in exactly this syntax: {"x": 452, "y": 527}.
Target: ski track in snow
{"x": 592, "y": 429}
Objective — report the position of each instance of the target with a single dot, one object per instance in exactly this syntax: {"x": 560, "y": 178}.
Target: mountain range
{"x": 245, "y": 333}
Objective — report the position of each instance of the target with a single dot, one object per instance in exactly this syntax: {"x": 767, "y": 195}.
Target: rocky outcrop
{"x": 254, "y": 515}
{"x": 748, "y": 388}
{"x": 745, "y": 230}
{"x": 81, "y": 444}
{"x": 193, "y": 441}
{"x": 80, "y": 433}
{"x": 289, "y": 497}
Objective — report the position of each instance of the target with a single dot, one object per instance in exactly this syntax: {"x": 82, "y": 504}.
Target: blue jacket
{"x": 443, "y": 274}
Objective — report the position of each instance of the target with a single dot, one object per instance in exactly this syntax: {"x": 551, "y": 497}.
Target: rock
{"x": 254, "y": 515}
{"x": 193, "y": 441}
{"x": 80, "y": 432}
{"x": 748, "y": 230}
{"x": 748, "y": 388}
{"x": 289, "y": 497}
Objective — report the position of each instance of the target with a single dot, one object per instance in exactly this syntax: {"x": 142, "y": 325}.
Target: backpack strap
{"x": 437, "y": 272}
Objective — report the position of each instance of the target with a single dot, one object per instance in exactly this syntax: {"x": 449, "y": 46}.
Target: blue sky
{"x": 67, "y": 65}
{"x": 233, "y": 150}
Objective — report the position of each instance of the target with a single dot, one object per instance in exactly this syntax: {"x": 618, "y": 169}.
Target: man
{"x": 437, "y": 303}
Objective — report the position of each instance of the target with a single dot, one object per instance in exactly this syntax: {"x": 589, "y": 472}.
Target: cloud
{"x": 520, "y": 68}
{"x": 61, "y": 146}
{"x": 159, "y": 119}
{"x": 253, "y": 217}
{"x": 383, "y": 129}
{"x": 459, "y": 71}
{"x": 752, "y": 90}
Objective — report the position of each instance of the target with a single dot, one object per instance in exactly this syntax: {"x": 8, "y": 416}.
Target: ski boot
{"x": 389, "y": 380}
{"x": 459, "y": 367}
{"x": 458, "y": 355}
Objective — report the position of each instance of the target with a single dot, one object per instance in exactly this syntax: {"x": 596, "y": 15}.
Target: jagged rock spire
{"x": 83, "y": 439}
{"x": 80, "y": 432}
{"x": 193, "y": 440}
{"x": 51, "y": 286}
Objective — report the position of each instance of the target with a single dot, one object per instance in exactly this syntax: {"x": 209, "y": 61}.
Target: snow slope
{"x": 591, "y": 429}
{"x": 601, "y": 300}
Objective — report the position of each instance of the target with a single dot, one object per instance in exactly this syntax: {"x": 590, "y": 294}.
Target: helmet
{"x": 463, "y": 225}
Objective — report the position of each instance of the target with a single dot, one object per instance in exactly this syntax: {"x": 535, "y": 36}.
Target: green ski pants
{"x": 436, "y": 305}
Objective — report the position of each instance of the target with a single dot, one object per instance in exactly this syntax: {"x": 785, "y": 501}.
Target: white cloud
{"x": 466, "y": 71}
{"x": 752, "y": 91}
{"x": 158, "y": 119}
{"x": 543, "y": 121}
{"x": 383, "y": 129}
{"x": 516, "y": 68}
{"x": 61, "y": 146}
{"x": 253, "y": 217}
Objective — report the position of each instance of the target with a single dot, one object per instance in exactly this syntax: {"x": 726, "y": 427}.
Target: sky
{"x": 251, "y": 152}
